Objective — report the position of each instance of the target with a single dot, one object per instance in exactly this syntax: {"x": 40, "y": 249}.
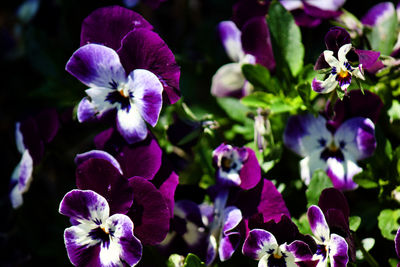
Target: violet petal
{"x": 108, "y": 26}
{"x": 338, "y": 251}
{"x": 99, "y": 154}
{"x": 257, "y": 243}
{"x": 378, "y": 13}
{"x": 318, "y": 224}
{"x": 250, "y": 174}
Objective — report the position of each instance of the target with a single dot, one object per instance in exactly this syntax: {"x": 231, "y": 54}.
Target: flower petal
{"x": 356, "y": 137}
{"x": 378, "y": 13}
{"x": 258, "y": 243}
{"x": 100, "y": 175}
{"x": 131, "y": 125}
{"x": 146, "y": 90}
{"x": 96, "y": 66}
{"x": 326, "y": 86}
{"x": 343, "y": 50}
{"x": 108, "y": 26}
{"x": 338, "y": 251}
{"x": 149, "y": 212}
{"x": 331, "y": 60}
{"x": 250, "y": 173}
{"x": 232, "y": 217}
{"x": 310, "y": 164}
{"x": 318, "y": 224}
{"x": 230, "y": 37}
{"x": 84, "y": 205}
{"x": 305, "y": 134}
{"x": 21, "y": 179}
{"x": 130, "y": 247}
{"x": 327, "y": 5}
{"x": 341, "y": 173}
{"x": 300, "y": 250}
{"x": 229, "y": 81}
{"x": 99, "y": 102}
{"x": 99, "y": 154}
{"x": 228, "y": 245}
{"x": 151, "y": 53}
{"x": 256, "y": 41}
{"x": 397, "y": 242}
{"x": 86, "y": 110}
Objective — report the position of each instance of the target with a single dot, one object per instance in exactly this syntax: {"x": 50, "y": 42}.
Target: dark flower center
{"x": 276, "y": 260}
{"x": 322, "y": 250}
{"x": 118, "y": 96}
{"x": 102, "y": 235}
{"x": 332, "y": 151}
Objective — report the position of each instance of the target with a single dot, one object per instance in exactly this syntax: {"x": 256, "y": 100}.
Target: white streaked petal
{"x": 22, "y": 178}
{"x": 310, "y": 164}
{"x": 325, "y": 86}
{"x": 231, "y": 38}
{"x": 228, "y": 80}
{"x": 110, "y": 255}
{"x": 343, "y": 52}
{"x": 318, "y": 224}
{"x": 331, "y": 60}
{"x": 131, "y": 125}
{"x": 19, "y": 139}
{"x": 358, "y": 72}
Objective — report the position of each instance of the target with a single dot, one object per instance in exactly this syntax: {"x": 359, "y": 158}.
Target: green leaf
{"x": 286, "y": 38}
{"x": 354, "y": 222}
{"x": 340, "y": 93}
{"x": 394, "y": 111}
{"x": 234, "y": 108}
{"x": 304, "y": 91}
{"x": 175, "y": 260}
{"x": 319, "y": 182}
{"x": 273, "y": 103}
{"x": 365, "y": 179}
{"x": 193, "y": 261}
{"x": 259, "y": 77}
{"x": 388, "y": 223}
{"x": 383, "y": 35}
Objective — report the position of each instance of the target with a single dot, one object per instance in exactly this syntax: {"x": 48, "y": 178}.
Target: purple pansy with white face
{"x": 236, "y": 166}
{"x": 138, "y": 47}
{"x": 341, "y": 72}
{"x": 329, "y": 245}
{"x": 135, "y": 196}
{"x": 136, "y": 97}
{"x": 336, "y": 152}
{"x": 96, "y": 238}
{"x": 262, "y": 245}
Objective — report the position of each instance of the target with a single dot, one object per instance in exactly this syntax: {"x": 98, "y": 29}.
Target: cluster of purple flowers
{"x": 126, "y": 185}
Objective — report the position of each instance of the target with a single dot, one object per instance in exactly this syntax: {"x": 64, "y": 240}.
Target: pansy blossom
{"x": 136, "y": 97}
{"x": 335, "y": 152}
{"x": 341, "y": 72}
{"x": 96, "y": 238}
{"x": 329, "y": 245}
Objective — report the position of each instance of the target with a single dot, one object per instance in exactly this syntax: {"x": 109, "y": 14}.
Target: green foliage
{"x": 388, "y": 222}
{"x": 193, "y": 261}
{"x": 383, "y": 35}
{"x": 275, "y": 104}
{"x": 354, "y": 223}
{"x": 319, "y": 182}
{"x": 394, "y": 111}
{"x": 286, "y": 38}
{"x": 260, "y": 78}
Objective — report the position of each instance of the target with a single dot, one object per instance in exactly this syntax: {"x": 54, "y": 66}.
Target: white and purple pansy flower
{"x": 335, "y": 152}
{"x": 236, "y": 166}
{"x": 96, "y": 238}
{"x": 138, "y": 47}
{"x": 262, "y": 245}
{"x": 135, "y": 196}
{"x": 329, "y": 246}
{"x": 136, "y": 97}
{"x": 31, "y": 134}
{"x": 341, "y": 72}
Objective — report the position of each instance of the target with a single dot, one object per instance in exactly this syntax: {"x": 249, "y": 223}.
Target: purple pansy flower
{"x": 135, "y": 196}
{"x": 262, "y": 245}
{"x": 329, "y": 245}
{"x": 311, "y": 13}
{"x": 335, "y": 152}
{"x": 236, "y": 166}
{"x": 249, "y": 44}
{"x": 138, "y": 47}
{"x": 136, "y": 97}
{"x": 96, "y": 238}
{"x": 31, "y": 134}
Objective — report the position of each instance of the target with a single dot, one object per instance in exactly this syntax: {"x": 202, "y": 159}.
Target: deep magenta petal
{"x": 102, "y": 177}
{"x": 149, "y": 212}
{"x": 109, "y": 25}
{"x": 144, "y": 49}
{"x": 250, "y": 174}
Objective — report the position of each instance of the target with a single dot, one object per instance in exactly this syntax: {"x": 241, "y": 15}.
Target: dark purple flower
{"x": 336, "y": 152}
{"x": 95, "y": 239}
{"x": 236, "y": 166}
{"x": 31, "y": 134}
{"x": 136, "y": 197}
{"x": 136, "y": 97}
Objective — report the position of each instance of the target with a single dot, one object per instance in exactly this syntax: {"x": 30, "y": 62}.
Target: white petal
{"x": 228, "y": 80}
{"x": 331, "y": 60}
{"x": 98, "y": 96}
{"x": 343, "y": 52}
{"x": 131, "y": 125}
{"x": 310, "y": 164}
